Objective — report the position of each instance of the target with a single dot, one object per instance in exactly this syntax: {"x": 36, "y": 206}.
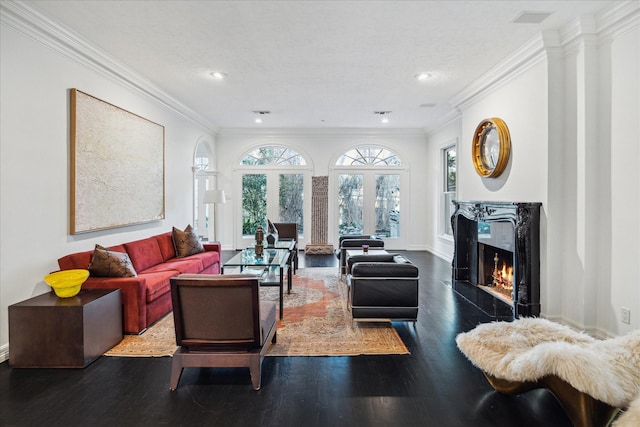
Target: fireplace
{"x": 496, "y": 264}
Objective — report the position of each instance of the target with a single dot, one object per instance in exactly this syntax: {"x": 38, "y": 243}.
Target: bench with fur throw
{"x": 590, "y": 378}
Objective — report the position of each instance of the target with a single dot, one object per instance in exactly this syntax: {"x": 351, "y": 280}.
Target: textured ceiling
{"x": 312, "y": 64}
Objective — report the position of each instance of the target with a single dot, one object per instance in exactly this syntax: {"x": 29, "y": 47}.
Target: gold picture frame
{"x": 491, "y": 148}
{"x": 117, "y": 166}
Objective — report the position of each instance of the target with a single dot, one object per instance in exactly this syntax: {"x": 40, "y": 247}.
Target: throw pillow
{"x": 106, "y": 263}
{"x": 186, "y": 242}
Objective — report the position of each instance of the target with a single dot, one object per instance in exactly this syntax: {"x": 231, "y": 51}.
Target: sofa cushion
{"x": 165, "y": 241}
{"x": 144, "y": 253}
{"x": 186, "y": 242}
{"x": 157, "y": 283}
{"x": 188, "y": 265}
{"x": 208, "y": 258}
{"x": 106, "y": 263}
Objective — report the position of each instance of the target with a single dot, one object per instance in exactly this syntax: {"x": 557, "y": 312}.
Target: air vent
{"x": 427, "y": 105}
{"x": 531, "y": 17}
{"x": 382, "y": 113}
{"x": 262, "y": 112}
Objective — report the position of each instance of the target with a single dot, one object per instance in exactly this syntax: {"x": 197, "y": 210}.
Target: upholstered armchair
{"x": 383, "y": 286}
{"x": 355, "y": 242}
{"x": 220, "y": 322}
{"x": 289, "y": 231}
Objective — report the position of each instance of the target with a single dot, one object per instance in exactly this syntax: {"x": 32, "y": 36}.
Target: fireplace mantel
{"x": 524, "y": 242}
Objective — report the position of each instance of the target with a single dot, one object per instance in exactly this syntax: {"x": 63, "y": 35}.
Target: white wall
{"x": 322, "y": 147}
{"x": 439, "y": 139}
{"x": 622, "y": 213}
{"x": 34, "y": 112}
{"x": 573, "y": 111}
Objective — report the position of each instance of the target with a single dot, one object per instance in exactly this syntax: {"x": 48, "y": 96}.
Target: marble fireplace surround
{"x": 513, "y": 227}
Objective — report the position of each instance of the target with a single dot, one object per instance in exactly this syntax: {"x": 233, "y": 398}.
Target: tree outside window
{"x": 449, "y": 190}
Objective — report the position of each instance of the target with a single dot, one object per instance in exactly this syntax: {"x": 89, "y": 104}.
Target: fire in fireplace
{"x": 496, "y": 264}
{"x": 495, "y": 270}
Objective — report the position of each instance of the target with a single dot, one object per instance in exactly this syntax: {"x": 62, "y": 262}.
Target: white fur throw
{"x": 630, "y": 417}
{"x": 528, "y": 349}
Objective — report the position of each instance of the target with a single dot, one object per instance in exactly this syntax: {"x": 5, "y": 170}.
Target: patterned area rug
{"x": 317, "y": 322}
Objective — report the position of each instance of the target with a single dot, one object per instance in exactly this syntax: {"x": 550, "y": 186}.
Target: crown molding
{"x": 619, "y": 19}
{"x": 608, "y": 24}
{"x": 33, "y": 24}
{"x": 521, "y": 60}
{"x": 444, "y": 121}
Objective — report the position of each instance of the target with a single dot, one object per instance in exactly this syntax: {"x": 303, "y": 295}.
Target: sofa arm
{"x": 133, "y": 292}
{"x": 212, "y": 246}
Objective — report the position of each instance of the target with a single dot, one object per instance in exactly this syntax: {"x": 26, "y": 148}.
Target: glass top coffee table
{"x": 270, "y": 267}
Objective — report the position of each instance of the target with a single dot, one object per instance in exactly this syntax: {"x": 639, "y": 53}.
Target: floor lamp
{"x": 214, "y": 197}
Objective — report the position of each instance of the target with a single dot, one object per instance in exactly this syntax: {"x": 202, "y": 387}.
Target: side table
{"x": 51, "y": 332}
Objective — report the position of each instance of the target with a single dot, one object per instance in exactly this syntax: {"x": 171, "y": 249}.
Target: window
{"x": 369, "y": 155}
{"x": 449, "y": 187}
{"x": 273, "y": 155}
{"x": 369, "y": 182}
{"x": 273, "y": 180}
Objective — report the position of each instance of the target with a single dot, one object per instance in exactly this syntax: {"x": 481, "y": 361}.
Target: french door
{"x": 369, "y": 202}
{"x": 276, "y": 195}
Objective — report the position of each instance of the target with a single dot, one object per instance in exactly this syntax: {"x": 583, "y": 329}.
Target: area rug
{"x": 317, "y": 322}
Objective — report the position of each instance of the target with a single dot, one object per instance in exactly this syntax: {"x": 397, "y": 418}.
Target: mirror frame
{"x": 479, "y": 160}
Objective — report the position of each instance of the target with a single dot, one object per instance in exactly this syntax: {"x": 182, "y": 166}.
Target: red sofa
{"x": 147, "y": 297}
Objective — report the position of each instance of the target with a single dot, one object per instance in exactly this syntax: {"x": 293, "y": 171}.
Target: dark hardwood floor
{"x": 433, "y": 386}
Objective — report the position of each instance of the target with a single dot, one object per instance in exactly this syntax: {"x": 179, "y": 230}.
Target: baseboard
{"x": 592, "y": 331}
{"x": 443, "y": 255}
{"x": 4, "y": 353}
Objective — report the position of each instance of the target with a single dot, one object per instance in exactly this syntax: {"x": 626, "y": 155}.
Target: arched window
{"x": 368, "y": 182}
{"x": 273, "y": 155}
{"x": 369, "y": 155}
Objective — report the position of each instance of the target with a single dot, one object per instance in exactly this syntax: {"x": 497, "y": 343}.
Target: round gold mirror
{"x": 491, "y": 147}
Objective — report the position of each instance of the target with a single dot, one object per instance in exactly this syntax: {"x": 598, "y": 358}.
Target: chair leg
{"x": 176, "y": 371}
{"x": 255, "y": 367}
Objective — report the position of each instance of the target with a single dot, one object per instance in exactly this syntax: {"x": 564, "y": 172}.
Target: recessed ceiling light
{"x": 384, "y": 120}
{"x": 218, "y": 75}
{"x": 258, "y": 120}
{"x": 423, "y": 76}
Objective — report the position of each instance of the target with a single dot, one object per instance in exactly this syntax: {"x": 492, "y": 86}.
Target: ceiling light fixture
{"x": 219, "y": 75}
{"x": 384, "y": 115}
{"x": 260, "y": 113}
{"x": 423, "y": 76}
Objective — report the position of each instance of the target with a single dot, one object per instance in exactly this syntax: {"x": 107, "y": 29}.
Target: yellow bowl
{"x": 67, "y": 283}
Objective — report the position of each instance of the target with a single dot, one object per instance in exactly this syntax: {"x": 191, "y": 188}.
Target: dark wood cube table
{"x": 51, "y": 332}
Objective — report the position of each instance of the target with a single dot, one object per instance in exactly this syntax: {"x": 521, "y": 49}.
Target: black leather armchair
{"x": 383, "y": 287}
{"x": 355, "y": 242}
